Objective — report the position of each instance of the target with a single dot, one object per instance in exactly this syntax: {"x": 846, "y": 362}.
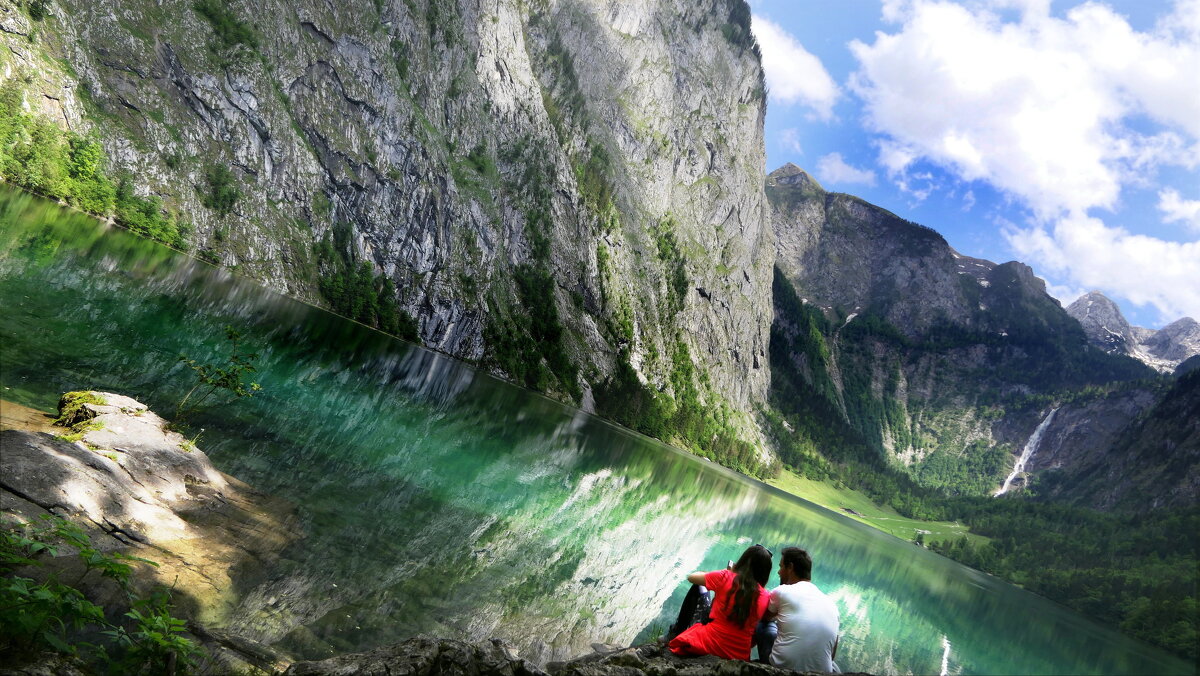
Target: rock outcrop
{"x": 141, "y": 489}
{"x": 427, "y": 656}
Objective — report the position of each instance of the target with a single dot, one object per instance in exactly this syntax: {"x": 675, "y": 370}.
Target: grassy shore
{"x": 857, "y": 506}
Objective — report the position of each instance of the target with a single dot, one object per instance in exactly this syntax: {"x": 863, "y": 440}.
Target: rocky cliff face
{"x": 1106, "y": 328}
{"x": 849, "y": 254}
{"x": 550, "y": 189}
{"x": 1133, "y": 449}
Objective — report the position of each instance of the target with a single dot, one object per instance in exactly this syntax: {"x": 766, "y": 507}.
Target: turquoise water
{"x": 436, "y": 499}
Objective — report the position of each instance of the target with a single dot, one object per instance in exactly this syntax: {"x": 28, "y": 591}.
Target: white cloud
{"x": 1060, "y": 113}
{"x": 1066, "y": 294}
{"x": 1184, "y": 21}
{"x": 968, "y": 200}
{"x": 1085, "y": 253}
{"x": 790, "y": 139}
{"x": 1042, "y": 108}
{"x": 919, "y": 185}
{"x": 833, "y": 169}
{"x": 1175, "y": 208}
{"x": 793, "y": 74}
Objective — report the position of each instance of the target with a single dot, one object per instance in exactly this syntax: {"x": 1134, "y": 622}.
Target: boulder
{"x": 142, "y": 489}
{"x": 46, "y": 664}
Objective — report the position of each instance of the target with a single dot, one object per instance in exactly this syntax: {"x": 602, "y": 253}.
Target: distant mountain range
{"x": 1106, "y": 328}
{"x": 945, "y": 364}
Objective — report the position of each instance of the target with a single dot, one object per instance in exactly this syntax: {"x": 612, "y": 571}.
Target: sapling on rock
{"x": 213, "y": 377}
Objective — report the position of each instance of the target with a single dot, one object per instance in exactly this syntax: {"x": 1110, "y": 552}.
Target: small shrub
{"x": 222, "y": 191}
{"x": 224, "y": 376}
{"x": 37, "y": 9}
{"x": 50, "y": 616}
{"x": 225, "y": 24}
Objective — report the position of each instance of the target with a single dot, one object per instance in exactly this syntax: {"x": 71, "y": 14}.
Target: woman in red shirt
{"x": 739, "y": 604}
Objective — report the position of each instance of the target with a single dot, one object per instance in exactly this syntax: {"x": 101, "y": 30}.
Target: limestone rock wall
{"x": 450, "y": 147}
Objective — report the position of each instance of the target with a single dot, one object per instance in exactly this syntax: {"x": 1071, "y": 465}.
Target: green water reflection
{"x": 437, "y": 499}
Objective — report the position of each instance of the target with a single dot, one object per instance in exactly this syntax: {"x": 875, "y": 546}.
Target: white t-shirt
{"x": 808, "y": 628}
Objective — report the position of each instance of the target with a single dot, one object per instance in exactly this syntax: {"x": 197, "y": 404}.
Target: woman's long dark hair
{"x": 751, "y": 572}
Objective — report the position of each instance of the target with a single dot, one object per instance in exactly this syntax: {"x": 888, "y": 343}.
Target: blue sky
{"x": 1061, "y": 133}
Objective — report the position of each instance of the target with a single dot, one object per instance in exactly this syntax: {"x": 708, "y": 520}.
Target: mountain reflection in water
{"x": 437, "y": 499}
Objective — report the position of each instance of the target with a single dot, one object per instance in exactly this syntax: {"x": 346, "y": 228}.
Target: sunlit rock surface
{"x": 142, "y": 489}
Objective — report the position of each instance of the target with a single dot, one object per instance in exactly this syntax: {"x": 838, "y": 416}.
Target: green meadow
{"x": 857, "y": 506}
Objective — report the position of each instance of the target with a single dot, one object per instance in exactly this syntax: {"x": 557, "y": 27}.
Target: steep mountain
{"x": 1174, "y": 343}
{"x": 1106, "y": 328}
{"x": 1103, "y": 323}
{"x": 568, "y": 193}
{"x": 940, "y": 362}
{"x": 1135, "y": 449}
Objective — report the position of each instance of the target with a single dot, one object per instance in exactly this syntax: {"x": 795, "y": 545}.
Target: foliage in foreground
{"x": 37, "y": 617}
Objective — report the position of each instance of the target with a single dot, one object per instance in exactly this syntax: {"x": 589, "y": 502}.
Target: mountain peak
{"x": 1102, "y": 321}
{"x": 1097, "y": 307}
{"x": 786, "y": 170}
{"x": 791, "y": 175}
{"x": 1107, "y": 329}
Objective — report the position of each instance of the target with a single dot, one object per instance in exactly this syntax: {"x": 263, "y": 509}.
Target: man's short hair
{"x": 799, "y": 560}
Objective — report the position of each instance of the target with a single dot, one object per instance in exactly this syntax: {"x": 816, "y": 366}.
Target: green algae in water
{"x": 436, "y": 499}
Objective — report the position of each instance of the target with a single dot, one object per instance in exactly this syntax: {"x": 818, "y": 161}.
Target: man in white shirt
{"x": 806, "y": 619}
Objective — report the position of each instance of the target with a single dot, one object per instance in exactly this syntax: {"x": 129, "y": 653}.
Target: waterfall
{"x": 945, "y": 657}
{"x": 1026, "y": 453}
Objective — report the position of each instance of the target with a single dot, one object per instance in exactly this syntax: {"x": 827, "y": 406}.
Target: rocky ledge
{"x": 427, "y": 656}
{"x": 139, "y": 488}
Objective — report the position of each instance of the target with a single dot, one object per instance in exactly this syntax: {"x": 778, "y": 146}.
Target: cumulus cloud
{"x": 832, "y": 168}
{"x": 790, "y": 139}
{"x": 1092, "y": 255}
{"x": 1041, "y": 107}
{"x": 1060, "y": 113}
{"x": 1175, "y": 208}
{"x": 793, "y": 74}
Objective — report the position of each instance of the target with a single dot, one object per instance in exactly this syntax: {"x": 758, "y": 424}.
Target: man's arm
{"x": 696, "y": 577}
{"x": 772, "y": 611}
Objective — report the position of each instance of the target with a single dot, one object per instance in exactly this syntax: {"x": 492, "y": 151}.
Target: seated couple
{"x": 794, "y": 624}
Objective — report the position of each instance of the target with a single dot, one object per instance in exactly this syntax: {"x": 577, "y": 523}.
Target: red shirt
{"x": 722, "y": 637}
